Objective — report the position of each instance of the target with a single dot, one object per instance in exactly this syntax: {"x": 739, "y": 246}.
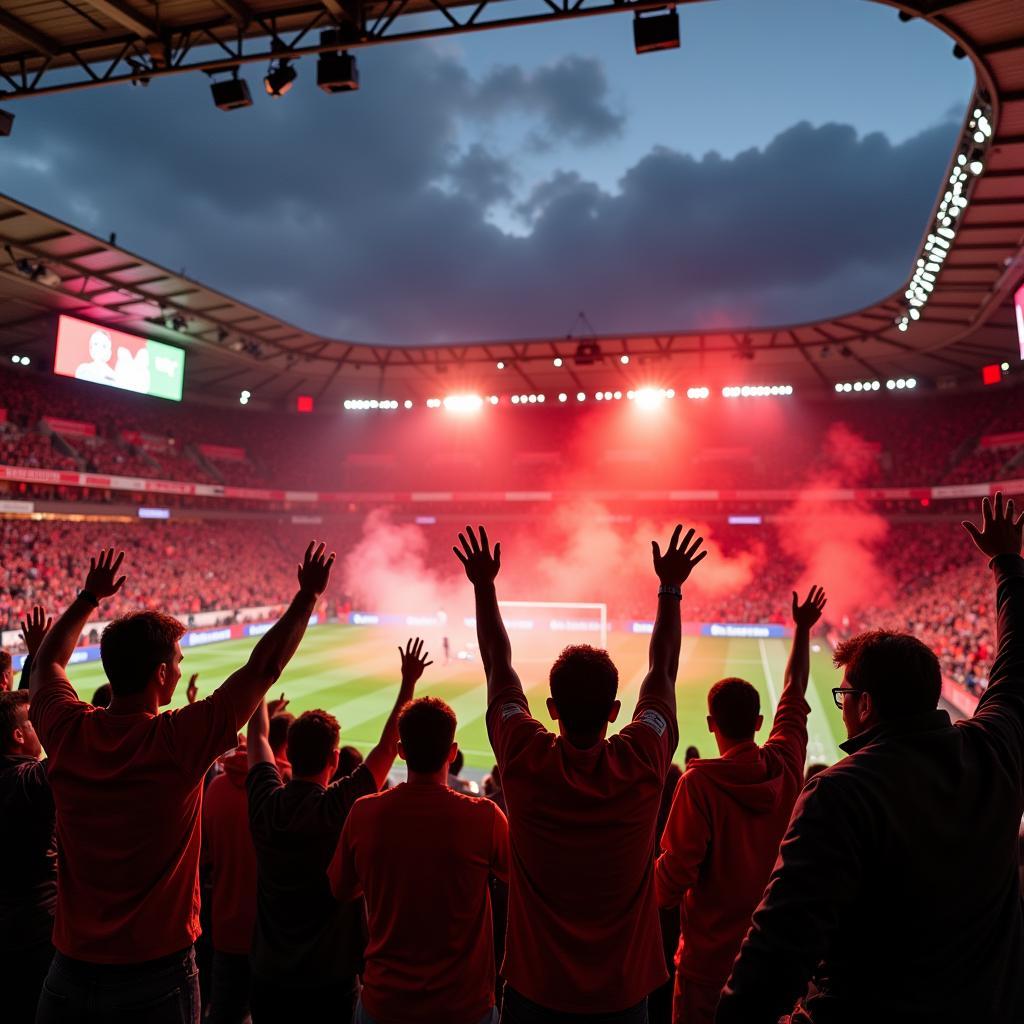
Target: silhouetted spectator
{"x": 727, "y": 820}
{"x": 897, "y": 894}
{"x": 422, "y": 855}
{"x": 127, "y": 785}
{"x": 101, "y": 698}
{"x": 812, "y": 770}
{"x": 6, "y": 672}
{"x": 349, "y": 759}
{"x": 583, "y": 934}
{"x": 306, "y": 947}
{"x": 692, "y": 754}
{"x": 455, "y": 781}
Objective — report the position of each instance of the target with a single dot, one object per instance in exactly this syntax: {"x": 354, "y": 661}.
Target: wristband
{"x": 668, "y": 590}
{"x": 90, "y": 597}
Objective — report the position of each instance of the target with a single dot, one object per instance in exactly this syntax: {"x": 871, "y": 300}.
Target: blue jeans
{"x": 164, "y": 991}
{"x": 517, "y": 1009}
{"x": 362, "y": 1017}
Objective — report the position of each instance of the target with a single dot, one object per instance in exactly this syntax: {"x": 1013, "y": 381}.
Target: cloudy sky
{"x": 778, "y": 167}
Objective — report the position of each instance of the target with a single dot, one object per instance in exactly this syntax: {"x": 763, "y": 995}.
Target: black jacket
{"x": 896, "y": 893}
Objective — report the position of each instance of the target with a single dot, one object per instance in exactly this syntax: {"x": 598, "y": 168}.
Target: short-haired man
{"x": 306, "y": 946}
{"x": 727, "y": 819}
{"x": 127, "y": 784}
{"x": 896, "y": 893}
{"x": 422, "y": 854}
{"x": 28, "y": 881}
{"x": 583, "y": 929}
{"x": 277, "y": 735}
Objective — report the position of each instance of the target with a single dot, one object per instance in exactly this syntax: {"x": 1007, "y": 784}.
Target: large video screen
{"x": 1018, "y": 302}
{"x": 101, "y": 355}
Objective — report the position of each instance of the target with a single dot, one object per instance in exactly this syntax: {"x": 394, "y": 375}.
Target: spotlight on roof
{"x": 587, "y": 353}
{"x": 6, "y": 123}
{"x": 231, "y": 93}
{"x": 280, "y": 78}
{"x": 656, "y": 31}
{"x": 243, "y": 397}
{"x": 336, "y": 72}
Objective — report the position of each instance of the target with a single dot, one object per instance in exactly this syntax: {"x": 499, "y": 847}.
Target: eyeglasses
{"x": 839, "y": 694}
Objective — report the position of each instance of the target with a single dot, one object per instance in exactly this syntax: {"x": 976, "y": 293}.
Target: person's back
{"x": 583, "y": 929}
{"x": 727, "y": 820}
{"x": 422, "y": 855}
{"x": 127, "y": 785}
{"x": 896, "y": 894}
{"x": 306, "y": 946}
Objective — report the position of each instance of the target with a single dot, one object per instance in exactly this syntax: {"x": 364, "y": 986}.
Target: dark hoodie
{"x": 727, "y": 819}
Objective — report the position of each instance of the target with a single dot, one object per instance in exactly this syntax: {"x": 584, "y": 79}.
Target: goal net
{"x": 540, "y": 629}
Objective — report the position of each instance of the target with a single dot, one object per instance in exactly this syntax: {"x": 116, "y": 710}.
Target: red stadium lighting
{"x": 991, "y": 374}
{"x": 463, "y": 403}
{"x": 304, "y": 403}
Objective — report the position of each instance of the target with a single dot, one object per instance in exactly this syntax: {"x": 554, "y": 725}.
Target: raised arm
{"x": 495, "y": 649}
{"x": 257, "y": 737}
{"x": 673, "y": 569}
{"x": 33, "y": 629}
{"x": 1000, "y": 539}
{"x": 57, "y": 646}
{"x": 382, "y": 757}
{"x": 798, "y": 668}
{"x": 247, "y": 687}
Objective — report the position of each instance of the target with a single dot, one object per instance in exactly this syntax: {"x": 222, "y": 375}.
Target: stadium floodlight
{"x": 337, "y": 72}
{"x": 587, "y": 353}
{"x": 500, "y": 366}
{"x": 231, "y": 93}
{"x": 649, "y": 398}
{"x": 656, "y": 31}
{"x": 581, "y": 396}
{"x": 698, "y": 393}
{"x": 624, "y": 360}
{"x": 563, "y": 397}
{"x": 243, "y": 398}
{"x": 463, "y": 403}
{"x": 408, "y": 403}
{"x": 493, "y": 399}
{"x": 280, "y": 78}
{"x": 557, "y": 361}
{"x": 1005, "y": 367}
{"x": 6, "y": 123}
{"x": 433, "y": 403}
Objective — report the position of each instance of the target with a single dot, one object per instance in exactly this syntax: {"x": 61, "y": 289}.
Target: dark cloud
{"x": 366, "y": 216}
{"x": 569, "y": 97}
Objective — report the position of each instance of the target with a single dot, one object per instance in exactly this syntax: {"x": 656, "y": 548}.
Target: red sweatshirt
{"x": 722, "y": 837}
{"x": 229, "y": 849}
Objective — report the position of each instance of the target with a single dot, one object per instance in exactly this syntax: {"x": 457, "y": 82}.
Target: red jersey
{"x": 228, "y": 848}
{"x": 722, "y": 837}
{"x": 422, "y": 855}
{"x": 128, "y": 791}
{"x": 583, "y": 928}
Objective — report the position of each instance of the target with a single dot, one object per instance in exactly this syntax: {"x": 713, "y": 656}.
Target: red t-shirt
{"x": 421, "y": 855}
{"x": 228, "y": 848}
{"x": 583, "y": 928}
{"x": 128, "y": 791}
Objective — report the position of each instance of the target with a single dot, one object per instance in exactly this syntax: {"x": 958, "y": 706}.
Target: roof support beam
{"x": 125, "y": 16}
{"x": 27, "y": 34}
{"x": 238, "y": 11}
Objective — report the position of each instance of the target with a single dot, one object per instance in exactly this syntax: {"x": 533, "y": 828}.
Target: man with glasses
{"x": 896, "y": 896}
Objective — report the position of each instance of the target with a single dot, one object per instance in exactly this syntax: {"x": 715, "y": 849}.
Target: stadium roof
{"x": 953, "y": 315}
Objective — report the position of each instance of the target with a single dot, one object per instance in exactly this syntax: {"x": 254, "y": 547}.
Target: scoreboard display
{"x": 101, "y": 355}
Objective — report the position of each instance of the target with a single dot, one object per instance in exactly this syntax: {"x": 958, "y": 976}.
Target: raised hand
{"x": 275, "y": 707}
{"x": 674, "y": 567}
{"x": 192, "y": 691}
{"x": 414, "y": 661}
{"x": 999, "y": 533}
{"x": 34, "y": 628}
{"x": 476, "y": 558}
{"x": 315, "y": 571}
{"x": 103, "y": 580}
{"x": 807, "y": 614}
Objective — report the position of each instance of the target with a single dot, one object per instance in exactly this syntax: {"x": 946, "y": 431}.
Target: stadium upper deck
{"x": 954, "y": 313}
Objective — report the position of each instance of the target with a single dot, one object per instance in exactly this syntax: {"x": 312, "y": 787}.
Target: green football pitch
{"x": 352, "y": 671}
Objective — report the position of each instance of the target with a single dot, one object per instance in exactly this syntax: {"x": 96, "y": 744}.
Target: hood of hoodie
{"x": 236, "y": 766}
{"x": 746, "y": 775}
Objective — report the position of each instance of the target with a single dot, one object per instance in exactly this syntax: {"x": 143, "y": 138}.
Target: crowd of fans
{"x": 751, "y": 447}
{"x": 883, "y": 888}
